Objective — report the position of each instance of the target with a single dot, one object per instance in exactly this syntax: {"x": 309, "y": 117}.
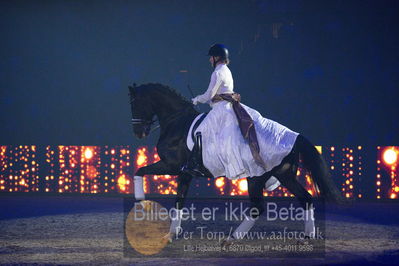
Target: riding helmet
{"x": 219, "y": 50}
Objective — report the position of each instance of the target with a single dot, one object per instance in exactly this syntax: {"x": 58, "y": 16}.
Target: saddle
{"x": 195, "y": 165}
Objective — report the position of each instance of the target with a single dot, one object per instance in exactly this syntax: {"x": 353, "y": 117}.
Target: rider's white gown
{"x": 225, "y": 152}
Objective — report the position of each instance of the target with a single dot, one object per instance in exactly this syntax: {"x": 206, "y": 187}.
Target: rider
{"x": 221, "y": 83}
{"x": 230, "y": 129}
{"x": 221, "y": 79}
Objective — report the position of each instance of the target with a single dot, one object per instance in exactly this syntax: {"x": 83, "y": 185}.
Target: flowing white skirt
{"x": 226, "y": 153}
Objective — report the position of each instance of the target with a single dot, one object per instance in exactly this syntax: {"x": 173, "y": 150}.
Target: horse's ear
{"x": 132, "y": 89}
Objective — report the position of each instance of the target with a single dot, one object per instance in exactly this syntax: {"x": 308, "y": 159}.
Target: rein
{"x": 139, "y": 121}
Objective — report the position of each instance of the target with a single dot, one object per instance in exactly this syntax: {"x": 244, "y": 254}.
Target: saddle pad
{"x": 270, "y": 185}
{"x": 190, "y": 140}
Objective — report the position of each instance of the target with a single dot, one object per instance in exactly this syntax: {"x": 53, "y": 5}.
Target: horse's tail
{"x": 315, "y": 162}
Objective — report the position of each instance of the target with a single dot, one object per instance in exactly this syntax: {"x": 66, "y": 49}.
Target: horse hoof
{"x": 304, "y": 241}
{"x": 168, "y": 238}
{"x": 226, "y": 244}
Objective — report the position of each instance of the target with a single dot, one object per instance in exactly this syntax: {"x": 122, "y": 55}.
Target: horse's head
{"x": 154, "y": 99}
{"x": 142, "y": 111}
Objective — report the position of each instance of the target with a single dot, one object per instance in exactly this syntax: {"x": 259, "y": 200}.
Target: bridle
{"x": 144, "y": 122}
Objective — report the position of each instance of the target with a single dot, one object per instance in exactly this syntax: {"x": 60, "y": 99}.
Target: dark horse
{"x": 175, "y": 115}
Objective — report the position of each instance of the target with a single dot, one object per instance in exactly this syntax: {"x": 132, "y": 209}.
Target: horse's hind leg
{"x": 287, "y": 176}
{"x": 316, "y": 164}
{"x": 255, "y": 192}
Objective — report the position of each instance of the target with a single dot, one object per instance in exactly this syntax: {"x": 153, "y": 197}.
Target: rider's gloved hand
{"x": 194, "y": 100}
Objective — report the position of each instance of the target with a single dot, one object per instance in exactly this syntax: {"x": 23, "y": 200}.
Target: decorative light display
{"x": 387, "y": 184}
{"x": 118, "y": 169}
{"x": 19, "y": 169}
{"x": 106, "y": 169}
{"x": 346, "y": 167}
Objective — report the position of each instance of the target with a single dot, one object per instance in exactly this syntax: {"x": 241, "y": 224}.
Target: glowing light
{"x": 123, "y": 182}
{"x": 390, "y": 156}
{"x": 141, "y": 157}
{"x": 319, "y": 149}
{"x": 393, "y": 196}
{"x": 219, "y": 182}
{"x": 243, "y": 185}
{"x": 91, "y": 172}
{"x": 88, "y": 153}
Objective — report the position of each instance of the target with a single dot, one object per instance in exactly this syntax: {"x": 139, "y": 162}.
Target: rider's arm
{"x": 216, "y": 81}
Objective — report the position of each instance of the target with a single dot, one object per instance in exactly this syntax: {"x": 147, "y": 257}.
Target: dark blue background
{"x": 331, "y": 73}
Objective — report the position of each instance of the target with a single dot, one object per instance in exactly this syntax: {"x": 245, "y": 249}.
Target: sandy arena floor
{"x": 95, "y": 236}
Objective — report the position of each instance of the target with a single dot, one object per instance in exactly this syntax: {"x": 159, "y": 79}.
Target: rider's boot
{"x": 194, "y": 165}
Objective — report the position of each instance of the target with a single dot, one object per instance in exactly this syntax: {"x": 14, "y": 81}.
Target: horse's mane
{"x": 165, "y": 89}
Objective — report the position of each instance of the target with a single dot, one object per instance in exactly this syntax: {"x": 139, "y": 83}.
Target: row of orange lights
{"x": 118, "y": 174}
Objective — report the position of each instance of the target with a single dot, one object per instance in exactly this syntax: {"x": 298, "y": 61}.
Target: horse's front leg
{"x": 183, "y": 184}
{"x": 158, "y": 168}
